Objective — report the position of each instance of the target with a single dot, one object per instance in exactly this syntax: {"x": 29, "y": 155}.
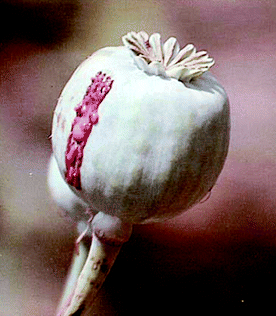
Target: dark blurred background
{"x": 219, "y": 255}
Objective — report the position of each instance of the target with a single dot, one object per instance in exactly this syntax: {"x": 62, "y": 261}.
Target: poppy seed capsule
{"x": 141, "y": 131}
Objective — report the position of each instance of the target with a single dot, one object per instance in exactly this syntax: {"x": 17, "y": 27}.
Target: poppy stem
{"x": 109, "y": 234}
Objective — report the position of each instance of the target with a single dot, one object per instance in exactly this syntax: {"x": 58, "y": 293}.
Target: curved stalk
{"x": 74, "y": 272}
{"x": 109, "y": 234}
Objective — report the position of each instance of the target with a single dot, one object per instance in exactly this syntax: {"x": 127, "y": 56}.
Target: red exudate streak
{"x": 86, "y": 117}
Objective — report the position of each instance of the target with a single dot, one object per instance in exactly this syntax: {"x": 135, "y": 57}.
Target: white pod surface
{"x": 63, "y": 196}
{"x": 142, "y": 138}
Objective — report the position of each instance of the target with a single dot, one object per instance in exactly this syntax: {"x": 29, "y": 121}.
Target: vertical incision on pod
{"x": 86, "y": 117}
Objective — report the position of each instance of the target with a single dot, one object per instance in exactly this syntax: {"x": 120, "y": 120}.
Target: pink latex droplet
{"x": 95, "y": 118}
{"x": 81, "y": 128}
{"x": 86, "y": 117}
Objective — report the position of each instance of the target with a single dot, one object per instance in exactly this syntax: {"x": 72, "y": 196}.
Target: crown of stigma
{"x": 167, "y": 59}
